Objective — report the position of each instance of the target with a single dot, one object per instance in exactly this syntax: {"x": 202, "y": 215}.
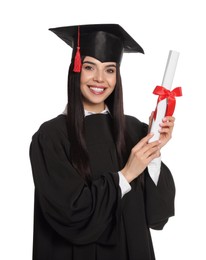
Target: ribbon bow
{"x": 170, "y": 95}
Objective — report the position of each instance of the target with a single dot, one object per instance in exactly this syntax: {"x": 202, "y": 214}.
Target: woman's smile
{"x": 97, "y": 90}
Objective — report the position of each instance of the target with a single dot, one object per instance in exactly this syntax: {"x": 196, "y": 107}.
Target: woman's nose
{"x": 99, "y": 77}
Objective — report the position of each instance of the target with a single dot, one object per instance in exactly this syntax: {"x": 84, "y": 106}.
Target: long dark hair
{"x": 75, "y": 115}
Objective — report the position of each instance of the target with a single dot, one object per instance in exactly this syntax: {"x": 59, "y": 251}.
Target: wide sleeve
{"x": 159, "y": 199}
{"x": 78, "y": 212}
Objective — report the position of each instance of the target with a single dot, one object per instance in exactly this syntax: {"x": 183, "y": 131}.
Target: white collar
{"x": 88, "y": 113}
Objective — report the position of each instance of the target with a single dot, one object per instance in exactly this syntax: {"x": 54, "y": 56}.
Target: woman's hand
{"x": 166, "y": 128}
{"x": 144, "y": 152}
{"x": 141, "y": 155}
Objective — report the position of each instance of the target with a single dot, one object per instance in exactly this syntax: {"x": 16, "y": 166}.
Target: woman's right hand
{"x": 141, "y": 155}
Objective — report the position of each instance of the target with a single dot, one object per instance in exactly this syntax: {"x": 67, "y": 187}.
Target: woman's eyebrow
{"x": 93, "y": 63}
{"x": 111, "y": 65}
{"x": 90, "y": 62}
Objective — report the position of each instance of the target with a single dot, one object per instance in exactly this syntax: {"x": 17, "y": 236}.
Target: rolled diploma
{"x": 167, "y": 83}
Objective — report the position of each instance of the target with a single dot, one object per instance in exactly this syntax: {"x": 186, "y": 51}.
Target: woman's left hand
{"x": 166, "y": 129}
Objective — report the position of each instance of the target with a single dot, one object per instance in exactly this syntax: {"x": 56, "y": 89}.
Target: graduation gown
{"x": 75, "y": 221}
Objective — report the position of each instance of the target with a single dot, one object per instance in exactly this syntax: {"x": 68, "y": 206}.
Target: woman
{"x": 100, "y": 184}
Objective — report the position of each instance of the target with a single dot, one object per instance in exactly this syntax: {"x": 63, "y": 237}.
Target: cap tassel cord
{"x": 77, "y": 59}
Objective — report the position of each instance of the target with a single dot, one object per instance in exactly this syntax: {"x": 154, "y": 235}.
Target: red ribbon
{"x": 170, "y": 95}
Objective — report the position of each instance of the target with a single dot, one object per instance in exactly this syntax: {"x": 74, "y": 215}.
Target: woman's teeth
{"x": 99, "y": 90}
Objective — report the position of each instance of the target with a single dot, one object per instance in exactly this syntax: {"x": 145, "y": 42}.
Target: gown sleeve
{"x": 76, "y": 211}
{"x": 159, "y": 199}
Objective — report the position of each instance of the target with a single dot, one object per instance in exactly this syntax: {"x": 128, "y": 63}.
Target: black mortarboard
{"x": 105, "y": 42}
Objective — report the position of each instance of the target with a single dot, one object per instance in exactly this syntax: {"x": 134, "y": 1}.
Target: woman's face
{"x": 97, "y": 82}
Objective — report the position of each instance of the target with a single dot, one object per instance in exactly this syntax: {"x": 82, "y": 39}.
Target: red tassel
{"x": 77, "y": 59}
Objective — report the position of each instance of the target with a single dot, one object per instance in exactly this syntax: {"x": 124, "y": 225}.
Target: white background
{"x": 33, "y": 77}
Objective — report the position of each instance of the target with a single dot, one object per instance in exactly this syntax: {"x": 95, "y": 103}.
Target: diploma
{"x": 166, "y": 83}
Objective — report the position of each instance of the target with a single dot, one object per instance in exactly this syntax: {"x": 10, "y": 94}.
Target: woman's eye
{"x": 110, "y": 70}
{"x": 88, "y": 67}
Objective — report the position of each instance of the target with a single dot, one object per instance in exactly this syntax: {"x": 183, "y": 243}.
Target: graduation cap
{"x": 105, "y": 42}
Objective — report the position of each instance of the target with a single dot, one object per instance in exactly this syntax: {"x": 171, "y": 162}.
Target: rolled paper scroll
{"x": 161, "y": 108}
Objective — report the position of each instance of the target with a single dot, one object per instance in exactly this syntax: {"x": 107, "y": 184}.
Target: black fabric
{"x": 105, "y": 42}
{"x": 74, "y": 221}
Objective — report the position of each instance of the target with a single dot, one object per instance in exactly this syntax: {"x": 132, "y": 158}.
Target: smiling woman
{"x": 99, "y": 184}
{"x": 97, "y": 82}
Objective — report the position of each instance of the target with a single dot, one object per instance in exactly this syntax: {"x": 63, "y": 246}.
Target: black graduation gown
{"x": 74, "y": 221}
